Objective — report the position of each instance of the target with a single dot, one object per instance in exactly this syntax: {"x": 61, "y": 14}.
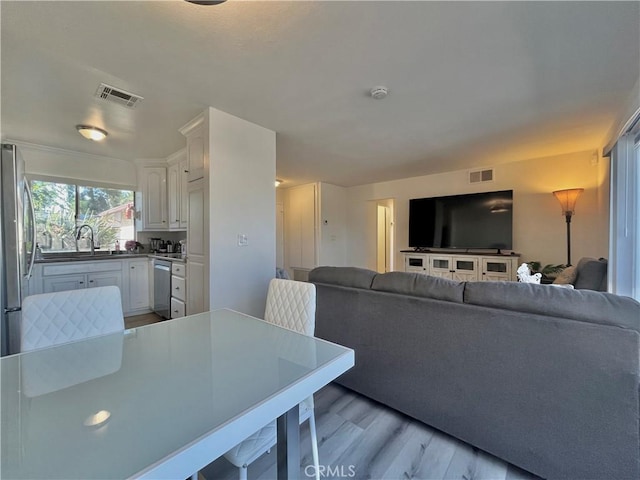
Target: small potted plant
{"x": 549, "y": 272}
{"x": 132, "y": 246}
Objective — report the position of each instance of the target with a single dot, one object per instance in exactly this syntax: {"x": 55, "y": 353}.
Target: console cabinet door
{"x": 465, "y": 269}
{"x": 496, "y": 270}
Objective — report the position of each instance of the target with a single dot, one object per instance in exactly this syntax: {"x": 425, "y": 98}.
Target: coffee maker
{"x": 155, "y": 244}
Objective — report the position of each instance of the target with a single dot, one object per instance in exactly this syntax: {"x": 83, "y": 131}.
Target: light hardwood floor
{"x": 141, "y": 320}
{"x": 362, "y": 439}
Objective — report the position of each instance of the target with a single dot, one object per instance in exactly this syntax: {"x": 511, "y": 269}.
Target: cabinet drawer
{"x": 177, "y": 308}
{"x": 179, "y": 269}
{"x": 82, "y": 267}
{"x": 178, "y": 287}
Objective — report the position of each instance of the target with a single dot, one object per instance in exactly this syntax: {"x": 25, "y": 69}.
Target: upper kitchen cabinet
{"x": 154, "y": 198}
{"x": 178, "y": 205}
{"x": 197, "y": 163}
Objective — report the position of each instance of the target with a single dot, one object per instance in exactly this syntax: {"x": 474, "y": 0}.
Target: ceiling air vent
{"x": 115, "y": 95}
{"x": 480, "y": 176}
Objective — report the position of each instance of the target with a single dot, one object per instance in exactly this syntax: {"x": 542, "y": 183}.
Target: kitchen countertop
{"x": 60, "y": 258}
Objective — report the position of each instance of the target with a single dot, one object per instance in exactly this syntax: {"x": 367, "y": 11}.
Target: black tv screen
{"x": 477, "y": 220}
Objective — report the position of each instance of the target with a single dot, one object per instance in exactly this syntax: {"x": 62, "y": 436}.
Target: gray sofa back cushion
{"x": 343, "y": 276}
{"x": 591, "y": 274}
{"x": 584, "y": 305}
{"x": 419, "y": 285}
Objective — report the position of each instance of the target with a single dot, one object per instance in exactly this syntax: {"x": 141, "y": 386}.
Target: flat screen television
{"x": 472, "y": 221}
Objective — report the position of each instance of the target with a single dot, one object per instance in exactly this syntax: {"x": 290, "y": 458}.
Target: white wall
{"x": 539, "y": 229}
{"x": 242, "y": 201}
{"x": 49, "y": 162}
{"x": 333, "y": 225}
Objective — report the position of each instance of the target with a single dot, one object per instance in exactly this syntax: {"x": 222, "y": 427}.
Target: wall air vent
{"x": 481, "y": 176}
{"x": 115, "y": 95}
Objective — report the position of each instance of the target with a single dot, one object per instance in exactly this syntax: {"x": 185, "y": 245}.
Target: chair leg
{"x": 243, "y": 472}
{"x": 314, "y": 444}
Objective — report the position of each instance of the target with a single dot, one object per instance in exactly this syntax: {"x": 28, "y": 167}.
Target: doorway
{"x": 384, "y": 235}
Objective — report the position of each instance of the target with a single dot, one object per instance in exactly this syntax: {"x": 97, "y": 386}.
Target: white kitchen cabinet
{"x": 178, "y": 289}
{"x": 131, "y": 276}
{"x": 105, "y": 279}
{"x": 463, "y": 267}
{"x": 173, "y": 194}
{"x": 184, "y": 200}
{"x": 196, "y": 152}
{"x": 154, "y": 198}
{"x": 137, "y": 291}
{"x": 178, "y": 203}
{"x": 60, "y": 283}
{"x": 198, "y": 248}
{"x": 178, "y": 308}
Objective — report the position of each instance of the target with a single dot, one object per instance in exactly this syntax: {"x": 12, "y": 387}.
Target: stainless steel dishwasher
{"x": 161, "y": 287}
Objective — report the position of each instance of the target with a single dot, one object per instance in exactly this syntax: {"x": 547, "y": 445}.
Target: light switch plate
{"x": 242, "y": 240}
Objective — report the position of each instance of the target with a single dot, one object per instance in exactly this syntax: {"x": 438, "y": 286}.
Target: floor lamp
{"x": 567, "y": 199}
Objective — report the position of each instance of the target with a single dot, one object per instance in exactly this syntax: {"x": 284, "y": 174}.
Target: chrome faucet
{"x": 79, "y": 234}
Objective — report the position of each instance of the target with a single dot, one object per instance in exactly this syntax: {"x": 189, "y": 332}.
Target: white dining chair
{"x": 59, "y": 317}
{"x": 292, "y": 305}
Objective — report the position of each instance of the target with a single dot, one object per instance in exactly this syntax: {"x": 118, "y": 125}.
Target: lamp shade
{"x": 567, "y": 199}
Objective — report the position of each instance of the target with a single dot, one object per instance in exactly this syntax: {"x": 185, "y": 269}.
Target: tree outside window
{"x": 61, "y": 208}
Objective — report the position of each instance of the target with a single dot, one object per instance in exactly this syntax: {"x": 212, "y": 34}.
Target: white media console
{"x": 463, "y": 267}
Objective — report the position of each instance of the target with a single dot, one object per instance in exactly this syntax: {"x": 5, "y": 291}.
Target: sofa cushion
{"x": 343, "y": 276}
{"x": 584, "y": 305}
{"x": 419, "y": 285}
{"x": 591, "y": 274}
{"x": 566, "y": 276}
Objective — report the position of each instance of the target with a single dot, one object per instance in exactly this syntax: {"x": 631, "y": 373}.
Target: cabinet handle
{"x": 90, "y": 281}
{"x": 175, "y": 311}
{"x": 164, "y": 221}
{"x": 186, "y": 171}
{"x": 80, "y": 283}
{"x": 177, "y": 288}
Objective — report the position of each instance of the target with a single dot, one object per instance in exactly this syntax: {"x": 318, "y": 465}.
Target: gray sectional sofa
{"x": 543, "y": 377}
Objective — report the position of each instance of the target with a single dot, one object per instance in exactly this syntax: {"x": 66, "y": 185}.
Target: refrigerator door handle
{"x": 33, "y": 229}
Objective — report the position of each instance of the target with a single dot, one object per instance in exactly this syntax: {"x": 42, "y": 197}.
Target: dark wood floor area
{"x": 361, "y": 439}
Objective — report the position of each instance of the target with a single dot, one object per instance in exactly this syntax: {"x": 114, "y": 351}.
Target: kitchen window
{"x": 60, "y": 208}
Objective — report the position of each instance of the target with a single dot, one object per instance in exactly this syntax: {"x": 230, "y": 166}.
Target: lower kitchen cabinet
{"x": 137, "y": 291}
{"x": 178, "y": 289}
{"x": 59, "y": 283}
{"x": 177, "y": 308}
{"x": 131, "y": 276}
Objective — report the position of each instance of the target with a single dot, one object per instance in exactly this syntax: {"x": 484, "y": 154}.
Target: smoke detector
{"x": 379, "y": 92}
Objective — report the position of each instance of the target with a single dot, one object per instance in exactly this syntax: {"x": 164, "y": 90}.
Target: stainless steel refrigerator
{"x": 17, "y": 245}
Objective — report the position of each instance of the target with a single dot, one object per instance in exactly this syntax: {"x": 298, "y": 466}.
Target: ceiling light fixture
{"x": 379, "y": 92}
{"x": 91, "y": 133}
{"x": 278, "y": 182}
{"x": 206, "y": 2}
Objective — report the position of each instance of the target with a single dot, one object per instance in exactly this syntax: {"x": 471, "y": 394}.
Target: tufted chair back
{"x": 292, "y": 305}
{"x": 54, "y": 318}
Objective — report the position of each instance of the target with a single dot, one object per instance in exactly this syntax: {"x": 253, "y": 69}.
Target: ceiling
{"x": 471, "y": 83}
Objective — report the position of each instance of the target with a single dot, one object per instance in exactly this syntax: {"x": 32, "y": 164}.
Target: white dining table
{"x": 160, "y": 401}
